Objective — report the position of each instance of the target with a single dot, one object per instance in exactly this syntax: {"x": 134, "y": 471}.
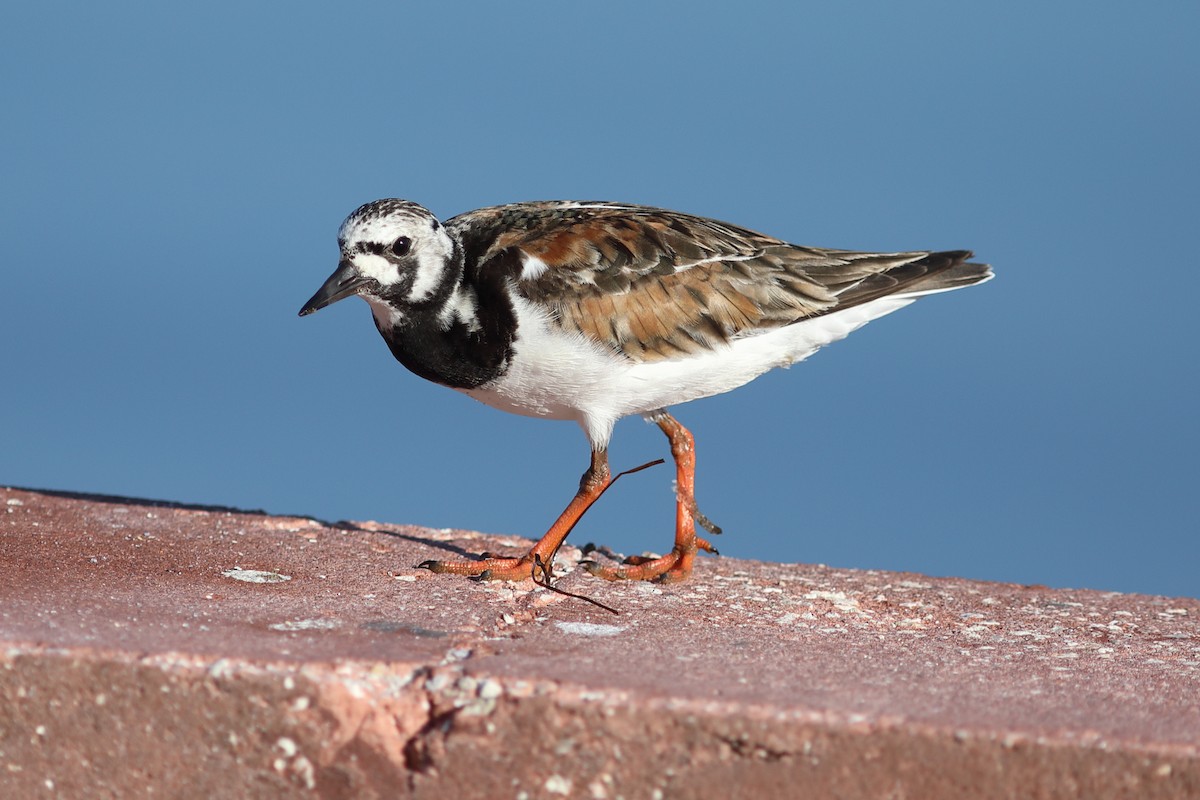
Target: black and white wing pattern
{"x": 654, "y": 284}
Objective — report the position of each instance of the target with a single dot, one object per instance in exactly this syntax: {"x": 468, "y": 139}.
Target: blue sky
{"x": 174, "y": 179}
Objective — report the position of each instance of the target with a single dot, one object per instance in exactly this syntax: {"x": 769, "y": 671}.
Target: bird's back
{"x": 657, "y": 285}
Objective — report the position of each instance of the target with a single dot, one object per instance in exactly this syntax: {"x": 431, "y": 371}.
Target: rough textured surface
{"x": 139, "y": 656}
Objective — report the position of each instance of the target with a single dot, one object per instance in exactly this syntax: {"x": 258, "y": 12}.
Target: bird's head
{"x": 394, "y": 253}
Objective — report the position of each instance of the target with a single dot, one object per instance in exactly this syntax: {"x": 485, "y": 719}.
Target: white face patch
{"x": 368, "y": 241}
{"x": 370, "y": 265}
{"x": 432, "y": 252}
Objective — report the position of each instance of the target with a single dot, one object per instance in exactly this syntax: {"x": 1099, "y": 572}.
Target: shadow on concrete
{"x": 345, "y": 525}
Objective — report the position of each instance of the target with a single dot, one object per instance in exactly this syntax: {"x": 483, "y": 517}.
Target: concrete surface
{"x": 151, "y": 649}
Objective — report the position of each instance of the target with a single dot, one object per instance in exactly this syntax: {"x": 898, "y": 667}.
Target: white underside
{"x": 562, "y": 376}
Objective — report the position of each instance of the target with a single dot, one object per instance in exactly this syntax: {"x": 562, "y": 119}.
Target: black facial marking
{"x": 462, "y": 354}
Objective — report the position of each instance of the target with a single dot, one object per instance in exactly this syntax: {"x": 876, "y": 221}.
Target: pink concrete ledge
{"x": 153, "y": 649}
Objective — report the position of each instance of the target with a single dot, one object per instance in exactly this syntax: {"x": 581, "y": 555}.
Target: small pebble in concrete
{"x": 557, "y": 784}
{"x": 255, "y": 575}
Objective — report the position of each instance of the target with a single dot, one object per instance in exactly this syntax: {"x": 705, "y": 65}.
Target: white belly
{"x": 566, "y": 376}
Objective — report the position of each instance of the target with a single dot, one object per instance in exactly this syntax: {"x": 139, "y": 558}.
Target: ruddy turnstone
{"x": 592, "y": 311}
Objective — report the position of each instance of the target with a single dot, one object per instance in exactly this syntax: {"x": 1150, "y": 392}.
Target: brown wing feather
{"x": 656, "y": 284}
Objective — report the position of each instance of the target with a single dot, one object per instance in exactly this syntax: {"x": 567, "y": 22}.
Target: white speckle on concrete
{"x": 438, "y": 682}
{"x": 457, "y": 654}
{"x": 307, "y": 772}
{"x": 597, "y": 790}
{"x": 305, "y": 625}
{"x": 557, "y": 784}
{"x": 589, "y": 628}
{"x": 221, "y": 668}
{"x": 840, "y": 600}
{"x": 255, "y": 575}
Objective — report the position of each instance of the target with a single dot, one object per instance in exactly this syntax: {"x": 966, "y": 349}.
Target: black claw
{"x": 429, "y": 565}
{"x": 714, "y": 550}
{"x": 486, "y": 575}
{"x": 588, "y": 549}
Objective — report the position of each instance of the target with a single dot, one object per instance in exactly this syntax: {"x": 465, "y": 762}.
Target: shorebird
{"x": 593, "y": 311}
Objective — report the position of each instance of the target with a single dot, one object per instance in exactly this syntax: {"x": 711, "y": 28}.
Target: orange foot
{"x": 488, "y": 568}
{"x": 674, "y": 567}
{"x": 497, "y": 568}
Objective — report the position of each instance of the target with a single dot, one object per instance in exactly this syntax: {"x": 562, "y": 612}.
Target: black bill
{"x": 344, "y": 282}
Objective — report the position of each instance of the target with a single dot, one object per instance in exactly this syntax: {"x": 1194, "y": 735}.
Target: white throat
{"x": 386, "y": 317}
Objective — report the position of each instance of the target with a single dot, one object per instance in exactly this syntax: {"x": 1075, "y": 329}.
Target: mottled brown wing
{"x": 656, "y": 284}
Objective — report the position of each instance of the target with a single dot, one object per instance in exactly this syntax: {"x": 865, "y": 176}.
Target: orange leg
{"x": 491, "y": 568}
{"x": 676, "y": 565}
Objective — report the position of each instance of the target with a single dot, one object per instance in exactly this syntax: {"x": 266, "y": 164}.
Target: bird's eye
{"x": 401, "y": 246}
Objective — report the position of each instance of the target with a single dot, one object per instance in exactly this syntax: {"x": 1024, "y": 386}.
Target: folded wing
{"x": 655, "y": 284}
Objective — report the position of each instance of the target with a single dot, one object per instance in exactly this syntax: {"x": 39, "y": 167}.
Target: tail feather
{"x": 926, "y": 274}
{"x": 949, "y": 270}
